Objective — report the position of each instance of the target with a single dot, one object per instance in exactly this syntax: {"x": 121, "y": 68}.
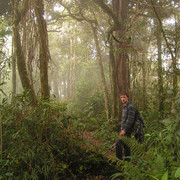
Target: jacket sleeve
{"x": 130, "y": 119}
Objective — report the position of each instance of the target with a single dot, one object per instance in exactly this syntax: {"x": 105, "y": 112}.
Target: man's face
{"x": 124, "y": 99}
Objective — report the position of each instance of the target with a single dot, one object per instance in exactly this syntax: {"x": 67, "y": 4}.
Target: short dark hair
{"x": 124, "y": 93}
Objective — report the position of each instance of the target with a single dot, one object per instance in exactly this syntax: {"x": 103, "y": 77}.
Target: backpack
{"x": 138, "y": 128}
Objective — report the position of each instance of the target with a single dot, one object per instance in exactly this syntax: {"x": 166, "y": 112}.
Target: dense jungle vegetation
{"x": 63, "y": 64}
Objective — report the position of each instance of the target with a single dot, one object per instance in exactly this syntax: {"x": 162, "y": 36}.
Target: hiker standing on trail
{"x": 127, "y": 125}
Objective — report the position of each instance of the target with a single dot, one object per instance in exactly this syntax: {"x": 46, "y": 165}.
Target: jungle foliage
{"x": 41, "y": 143}
{"x": 45, "y": 142}
{"x": 63, "y": 64}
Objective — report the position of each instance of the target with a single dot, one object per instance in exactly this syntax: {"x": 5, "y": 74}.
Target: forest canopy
{"x": 63, "y": 66}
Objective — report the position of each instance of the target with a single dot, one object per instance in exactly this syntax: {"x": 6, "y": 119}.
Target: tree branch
{"x": 107, "y": 10}
{"x": 76, "y": 16}
{"x": 162, "y": 30}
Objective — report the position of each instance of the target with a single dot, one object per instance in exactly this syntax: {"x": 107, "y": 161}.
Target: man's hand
{"x": 122, "y": 133}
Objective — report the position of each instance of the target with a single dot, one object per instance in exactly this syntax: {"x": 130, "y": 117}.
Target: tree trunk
{"x": 43, "y": 47}
{"x": 21, "y": 63}
{"x": 74, "y": 66}
{"x": 70, "y": 68}
{"x": 160, "y": 75}
{"x": 121, "y": 58}
{"x": 144, "y": 81}
{"x": 13, "y": 72}
{"x": 175, "y": 85}
{"x": 18, "y": 49}
{"x": 99, "y": 57}
{"x": 113, "y": 82}
{"x": 121, "y": 55}
{"x": 55, "y": 81}
{"x": 176, "y": 51}
{"x": 32, "y": 46}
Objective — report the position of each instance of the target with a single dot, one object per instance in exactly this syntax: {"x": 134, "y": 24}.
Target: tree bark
{"x": 18, "y": 49}
{"x": 114, "y": 89}
{"x": 21, "y": 63}
{"x": 175, "y": 85}
{"x": 121, "y": 57}
{"x": 55, "y": 81}
{"x": 74, "y": 66}
{"x": 144, "y": 80}
{"x": 99, "y": 57}
{"x": 121, "y": 54}
{"x": 44, "y": 55}
{"x": 32, "y": 45}
{"x": 13, "y": 72}
{"x": 160, "y": 75}
{"x": 70, "y": 69}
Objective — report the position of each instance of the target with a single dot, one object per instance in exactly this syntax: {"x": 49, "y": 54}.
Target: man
{"x": 127, "y": 123}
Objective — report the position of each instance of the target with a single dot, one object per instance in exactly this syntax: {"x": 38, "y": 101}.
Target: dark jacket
{"x": 128, "y": 118}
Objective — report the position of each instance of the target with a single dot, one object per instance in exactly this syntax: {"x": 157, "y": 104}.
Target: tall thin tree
{"x": 99, "y": 58}
{"x": 44, "y": 54}
{"x": 18, "y": 14}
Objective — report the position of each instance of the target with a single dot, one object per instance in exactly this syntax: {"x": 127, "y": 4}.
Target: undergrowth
{"x": 44, "y": 142}
{"x": 40, "y": 142}
{"x": 156, "y": 158}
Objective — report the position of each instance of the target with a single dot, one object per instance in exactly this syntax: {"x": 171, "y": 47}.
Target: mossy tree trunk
{"x": 21, "y": 64}
{"x": 160, "y": 74}
{"x": 144, "y": 75}
{"x": 74, "y": 64}
{"x": 44, "y": 55}
{"x": 114, "y": 90}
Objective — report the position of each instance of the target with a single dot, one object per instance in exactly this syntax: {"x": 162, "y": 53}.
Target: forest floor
{"x": 96, "y": 145}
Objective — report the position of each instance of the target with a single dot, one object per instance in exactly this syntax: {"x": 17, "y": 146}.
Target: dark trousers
{"x": 122, "y": 148}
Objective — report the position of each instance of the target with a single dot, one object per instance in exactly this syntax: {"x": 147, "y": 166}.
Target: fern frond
{"x": 136, "y": 148}
{"x": 153, "y": 124}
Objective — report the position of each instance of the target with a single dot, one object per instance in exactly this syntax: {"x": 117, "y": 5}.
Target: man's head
{"x": 124, "y": 98}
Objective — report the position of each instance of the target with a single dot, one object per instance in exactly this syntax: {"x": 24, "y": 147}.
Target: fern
{"x": 137, "y": 149}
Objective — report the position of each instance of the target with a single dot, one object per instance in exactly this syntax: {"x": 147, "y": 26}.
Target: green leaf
{"x": 154, "y": 177}
{"x": 165, "y": 176}
{"x": 93, "y": 119}
{"x": 64, "y": 166}
{"x": 9, "y": 174}
{"x": 114, "y": 176}
{"x": 177, "y": 173}
{"x": 81, "y": 168}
